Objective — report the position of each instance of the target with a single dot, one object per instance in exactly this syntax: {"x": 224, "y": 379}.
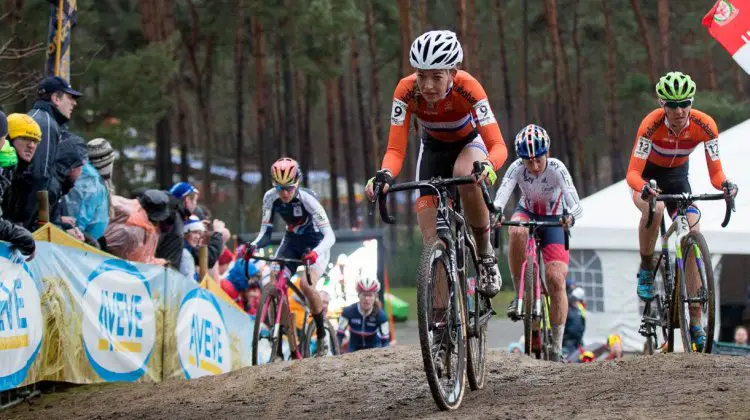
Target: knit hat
{"x": 181, "y": 189}
{"x": 194, "y": 224}
{"x": 101, "y": 156}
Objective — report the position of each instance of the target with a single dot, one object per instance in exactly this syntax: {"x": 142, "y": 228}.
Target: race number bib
{"x": 484, "y": 113}
{"x": 398, "y": 112}
{"x": 643, "y": 148}
{"x": 712, "y": 149}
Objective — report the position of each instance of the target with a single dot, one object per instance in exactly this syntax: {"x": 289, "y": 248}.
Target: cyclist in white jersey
{"x": 546, "y": 189}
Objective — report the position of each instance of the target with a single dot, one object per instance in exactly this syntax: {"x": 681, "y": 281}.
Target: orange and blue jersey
{"x": 656, "y": 144}
{"x": 463, "y": 114}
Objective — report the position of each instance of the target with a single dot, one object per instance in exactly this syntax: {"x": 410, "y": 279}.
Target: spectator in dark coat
{"x": 55, "y": 103}
{"x": 575, "y": 326}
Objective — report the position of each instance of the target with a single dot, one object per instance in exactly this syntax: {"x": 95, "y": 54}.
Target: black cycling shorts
{"x": 437, "y": 158}
{"x": 669, "y": 181}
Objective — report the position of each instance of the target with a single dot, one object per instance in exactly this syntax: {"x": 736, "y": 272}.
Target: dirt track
{"x": 390, "y": 383}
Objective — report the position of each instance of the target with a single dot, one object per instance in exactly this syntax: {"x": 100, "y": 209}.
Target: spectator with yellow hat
{"x": 17, "y": 236}
{"x": 24, "y": 135}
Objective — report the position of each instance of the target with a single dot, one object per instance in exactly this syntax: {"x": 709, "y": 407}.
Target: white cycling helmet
{"x": 368, "y": 284}
{"x": 436, "y": 50}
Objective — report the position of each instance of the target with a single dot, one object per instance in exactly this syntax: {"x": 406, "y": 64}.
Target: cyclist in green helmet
{"x": 663, "y": 144}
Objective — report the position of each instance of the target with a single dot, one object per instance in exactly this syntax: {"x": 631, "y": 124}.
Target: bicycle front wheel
{"x": 442, "y": 330}
{"x": 528, "y": 305}
{"x": 266, "y": 336}
{"x": 700, "y": 300}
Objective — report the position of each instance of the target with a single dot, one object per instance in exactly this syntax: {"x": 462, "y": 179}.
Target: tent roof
{"x": 610, "y": 218}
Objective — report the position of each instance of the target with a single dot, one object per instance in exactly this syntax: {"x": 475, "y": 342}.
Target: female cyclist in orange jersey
{"x": 458, "y": 129}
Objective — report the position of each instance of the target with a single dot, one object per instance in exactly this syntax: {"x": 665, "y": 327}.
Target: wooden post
{"x": 202, "y": 262}
{"x": 43, "y": 215}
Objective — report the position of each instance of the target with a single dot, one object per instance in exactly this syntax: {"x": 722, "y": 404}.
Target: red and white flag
{"x": 729, "y": 22}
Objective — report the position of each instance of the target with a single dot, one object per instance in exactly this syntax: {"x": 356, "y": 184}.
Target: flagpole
{"x": 58, "y": 40}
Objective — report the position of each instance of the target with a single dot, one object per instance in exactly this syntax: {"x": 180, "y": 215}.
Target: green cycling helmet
{"x": 8, "y": 156}
{"x": 675, "y": 86}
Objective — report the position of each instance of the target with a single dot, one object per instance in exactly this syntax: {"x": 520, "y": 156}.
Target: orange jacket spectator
{"x": 132, "y": 233}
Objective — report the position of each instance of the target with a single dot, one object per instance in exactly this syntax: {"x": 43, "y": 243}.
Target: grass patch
{"x": 409, "y": 295}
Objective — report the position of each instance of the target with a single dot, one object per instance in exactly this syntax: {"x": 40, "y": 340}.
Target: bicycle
{"x": 533, "y": 297}
{"x": 452, "y": 332}
{"x": 274, "y": 321}
{"x": 671, "y": 303}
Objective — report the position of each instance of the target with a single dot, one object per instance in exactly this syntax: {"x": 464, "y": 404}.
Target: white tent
{"x": 604, "y": 243}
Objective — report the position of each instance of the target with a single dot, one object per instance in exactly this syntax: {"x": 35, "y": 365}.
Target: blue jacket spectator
{"x": 88, "y": 202}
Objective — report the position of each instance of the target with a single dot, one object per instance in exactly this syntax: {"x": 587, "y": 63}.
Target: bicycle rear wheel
{"x": 528, "y": 305}
{"x": 477, "y": 307}
{"x": 266, "y": 347}
{"x": 696, "y": 254}
{"x": 442, "y": 330}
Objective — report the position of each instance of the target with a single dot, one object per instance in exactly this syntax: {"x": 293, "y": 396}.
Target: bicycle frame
{"x": 446, "y": 213}
{"x": 282, "y": 289}
{"x": 679, "y": 228}
{"x": 533, "y": 249}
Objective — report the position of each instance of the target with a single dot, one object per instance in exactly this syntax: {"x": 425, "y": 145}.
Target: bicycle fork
{"x": 536, "y": 308}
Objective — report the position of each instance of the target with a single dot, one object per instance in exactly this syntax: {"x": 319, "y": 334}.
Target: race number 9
{"x": 398, "y": 112}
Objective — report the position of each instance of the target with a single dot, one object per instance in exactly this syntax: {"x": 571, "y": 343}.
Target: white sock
{"x": 557, "y": 337}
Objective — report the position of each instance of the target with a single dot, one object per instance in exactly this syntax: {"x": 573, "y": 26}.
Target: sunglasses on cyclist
{"x": 285, "y": 187}
{"x": 678, "y": 104}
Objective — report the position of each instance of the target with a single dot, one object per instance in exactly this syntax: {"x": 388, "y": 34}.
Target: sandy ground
{"x": 390, "y": 383}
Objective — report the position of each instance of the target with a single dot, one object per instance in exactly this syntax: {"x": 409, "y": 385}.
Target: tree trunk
{"x": 563, "y": 79}
{"x": 525, "y": 74}
{"x": 348, "y": 154}
{"x": 462, "y": 31}
{"x": 332, "y": 152}
{"x": 375, "y": 120}
{"x": 279, "y": 103}
{"x": 709, "y": 67}
{"x": 304, "y": 148}
{"x": 203, "y": 78}
{"x": 182, "y": 133}
{"x": 424, "y": 26}
{"x": 288, "y": 120}
{"x": 579, "y": 62}
{"x": 645, "y": 39}
{"x": 471, "y": 28}
{"x": 406, "y": 40}
{"x": 663, "y": 8}
{"x": 615, "y": 154}
{"x": 500, "y": 10}
{"x": 157, "y": 24}
{"x": 260, "y": 106}
{"x": 367, "y": 153}
{"x": 239, "y": 90}
{"x": 204, "y": 89}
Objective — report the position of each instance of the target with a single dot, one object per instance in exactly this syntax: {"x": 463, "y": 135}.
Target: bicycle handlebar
{"x": 728, "y": 199}
{"x": 284, "y": 260}
{"x": 535, "y": 223}
{"x": 434, "y": 184}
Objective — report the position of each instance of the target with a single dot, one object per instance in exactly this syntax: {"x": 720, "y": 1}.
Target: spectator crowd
{"x": 38, "y": 152}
